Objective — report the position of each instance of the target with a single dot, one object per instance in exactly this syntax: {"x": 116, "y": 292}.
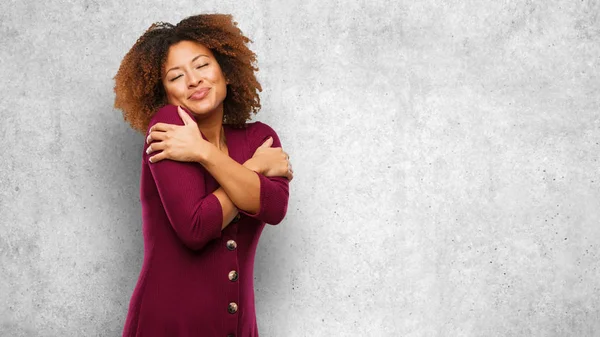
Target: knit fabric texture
{"x": 196, "y": 279}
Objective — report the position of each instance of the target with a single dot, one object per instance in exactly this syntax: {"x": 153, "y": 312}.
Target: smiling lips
{"x": 200, "y": 94}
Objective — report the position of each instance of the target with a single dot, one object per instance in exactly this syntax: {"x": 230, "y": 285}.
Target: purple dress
{"x": 196, "y": 279}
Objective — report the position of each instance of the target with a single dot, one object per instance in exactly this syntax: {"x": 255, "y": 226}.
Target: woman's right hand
{"x": 270, "y": 161}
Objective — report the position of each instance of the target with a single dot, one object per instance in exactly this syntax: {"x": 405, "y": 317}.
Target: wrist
{"x": 205, "y": 151}
{"x": 251, "y": 164}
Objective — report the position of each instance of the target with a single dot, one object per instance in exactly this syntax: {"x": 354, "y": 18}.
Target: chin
{"x": 197, "y": 108}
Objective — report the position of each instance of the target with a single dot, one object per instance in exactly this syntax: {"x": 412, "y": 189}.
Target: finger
{"x": 156, "y": 146}
{"x": 156, "y": 136}
{"x": 181, "y": 115}
{"x": 184, "y": 116}
{"x": 290, "y": 171}
{"x": 162, "y": 127}
{"x": 267, "y": 142}
{"x": 156, "y": 158}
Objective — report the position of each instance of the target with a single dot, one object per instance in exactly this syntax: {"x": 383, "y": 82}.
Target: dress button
{"x": 233, "y": 275}
{"x": 231, "y": 245}
{"x": 236, "y": 219}
{"x": 233, "y": 307}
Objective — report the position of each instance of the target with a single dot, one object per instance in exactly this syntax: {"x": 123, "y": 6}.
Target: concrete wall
{"x": 445, "y": 155}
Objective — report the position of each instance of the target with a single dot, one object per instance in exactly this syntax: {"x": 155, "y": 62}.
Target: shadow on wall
{"x": 119, "y": 197}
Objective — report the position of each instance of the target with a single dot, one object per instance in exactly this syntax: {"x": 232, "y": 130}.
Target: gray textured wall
{"x": 446, "y": 157}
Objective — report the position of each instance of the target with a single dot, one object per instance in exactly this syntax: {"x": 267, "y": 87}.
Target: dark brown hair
{"x": 138, "y": 83}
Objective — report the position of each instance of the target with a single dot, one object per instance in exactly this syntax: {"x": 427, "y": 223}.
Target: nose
{"x": 193, "y": 80}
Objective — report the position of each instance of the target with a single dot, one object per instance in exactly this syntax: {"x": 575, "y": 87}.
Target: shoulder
{"x": 258, "y": 132}
{"x": 258, "y": 129}
{"x": 166, "y": 114}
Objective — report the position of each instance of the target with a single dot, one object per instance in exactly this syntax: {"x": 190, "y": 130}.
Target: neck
{"x": 214, "y": 134}
{"x": 211, "y": 127}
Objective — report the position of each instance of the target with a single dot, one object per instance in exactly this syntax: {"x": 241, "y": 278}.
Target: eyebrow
{"x": 194, "y": 59}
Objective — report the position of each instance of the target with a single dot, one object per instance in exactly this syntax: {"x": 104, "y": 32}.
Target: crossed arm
{"x": 197, "y": 216}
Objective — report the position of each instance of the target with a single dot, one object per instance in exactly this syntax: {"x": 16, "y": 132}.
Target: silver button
{"x": 232, "y": 308}
{"x": 231, "y": 245}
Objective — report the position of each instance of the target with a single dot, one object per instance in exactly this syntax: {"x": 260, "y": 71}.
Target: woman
{"x": 209, "y": 182}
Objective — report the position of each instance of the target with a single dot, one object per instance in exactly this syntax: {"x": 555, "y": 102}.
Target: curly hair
{"x": 138, "y": 82}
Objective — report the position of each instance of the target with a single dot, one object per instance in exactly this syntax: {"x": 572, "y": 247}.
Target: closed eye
{"x": 198, "y": 67}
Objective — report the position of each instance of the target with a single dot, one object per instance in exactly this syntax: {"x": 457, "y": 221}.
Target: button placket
{"x": 231, "y": 254}
{"x": 232, "y": 277}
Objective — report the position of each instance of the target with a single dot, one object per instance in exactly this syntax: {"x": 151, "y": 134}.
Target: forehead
{"x": 183, "y": 52}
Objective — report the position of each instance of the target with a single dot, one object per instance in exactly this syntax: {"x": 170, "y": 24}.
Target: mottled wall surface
{"x": 445, "y": 155}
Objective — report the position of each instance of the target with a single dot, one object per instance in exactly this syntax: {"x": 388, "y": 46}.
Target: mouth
{"x": 199, "y": 94}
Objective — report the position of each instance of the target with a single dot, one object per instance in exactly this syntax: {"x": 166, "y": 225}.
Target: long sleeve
{"x": 274, "y": 191}
{"x": 195, "y": 215}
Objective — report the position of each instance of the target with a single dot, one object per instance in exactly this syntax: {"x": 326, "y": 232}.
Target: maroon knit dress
{"x": 197, "y": 280}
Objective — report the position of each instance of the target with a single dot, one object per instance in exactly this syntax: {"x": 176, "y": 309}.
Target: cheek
{"x": 172, "y": 90}
{"x": 220, "y": 82}
{"x": 217, "y": 76}
{"x": 221, "y": 91}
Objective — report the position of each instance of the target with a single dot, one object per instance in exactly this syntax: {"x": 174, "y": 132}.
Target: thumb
{"x": 184, "y": 116}
{"x": 267, "y": 142}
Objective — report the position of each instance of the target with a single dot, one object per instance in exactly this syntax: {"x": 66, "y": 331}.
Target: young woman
{"x": 210, "y": 180}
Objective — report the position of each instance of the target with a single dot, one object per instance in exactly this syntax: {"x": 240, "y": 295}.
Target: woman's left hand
{"x": 177, "y": 142}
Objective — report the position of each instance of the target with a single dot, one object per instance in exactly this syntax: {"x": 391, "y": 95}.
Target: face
{"x": 193, "y": 79}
